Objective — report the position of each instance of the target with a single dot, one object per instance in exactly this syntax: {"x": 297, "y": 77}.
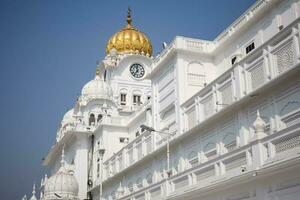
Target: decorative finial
{"x": 97, "y": 71}
{"x": 259, "y": 123}
{"x": 33, "y": 190}
{"x": 259, "y": 127}
{"x": 120, "y": 190}
{"x": 129, "y": 19}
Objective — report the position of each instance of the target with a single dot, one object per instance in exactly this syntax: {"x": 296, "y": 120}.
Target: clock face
{"x": 137, "y": 70}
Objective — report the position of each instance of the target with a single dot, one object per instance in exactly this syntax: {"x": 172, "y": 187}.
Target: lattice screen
{"x": 285, "y": 58}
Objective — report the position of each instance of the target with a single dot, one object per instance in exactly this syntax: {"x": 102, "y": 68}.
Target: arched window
{"x": 104, "y": 75}
{"x": 99, "y": 118}
{"x": 149, "y": 179}
{"x": 196, "y": 74}
{"x": 113, "y": 195}
{"x": 92, "y": 119}
{"x": 130, "y": 187}
{"x": 139, "y": 183}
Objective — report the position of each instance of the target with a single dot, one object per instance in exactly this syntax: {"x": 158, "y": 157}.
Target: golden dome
{"x": 130, "y": 40}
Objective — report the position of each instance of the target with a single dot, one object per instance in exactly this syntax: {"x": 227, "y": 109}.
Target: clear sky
{"x": 48, "y": 51}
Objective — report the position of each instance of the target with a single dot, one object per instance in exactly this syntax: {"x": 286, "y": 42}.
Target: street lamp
{"x": 101, "y": 152}
{"x": 150, "y": 129}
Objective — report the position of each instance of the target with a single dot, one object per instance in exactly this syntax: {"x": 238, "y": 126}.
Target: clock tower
{"x": 128, "y": 60}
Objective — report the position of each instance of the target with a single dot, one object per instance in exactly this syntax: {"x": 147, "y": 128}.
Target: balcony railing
{"x": 79, "y": 126}
{"x": 241, "y": 21}
{"x": 276, "y": 148}
{"x": 129, "y": 155}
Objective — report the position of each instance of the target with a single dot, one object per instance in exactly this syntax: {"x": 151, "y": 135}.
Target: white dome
{"x": 97, "y": 88}
{"x": 62, "y": 185}
{"x": 68, "y": 117}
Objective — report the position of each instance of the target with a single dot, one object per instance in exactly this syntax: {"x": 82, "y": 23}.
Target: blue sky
{"x": 48, "y": 51}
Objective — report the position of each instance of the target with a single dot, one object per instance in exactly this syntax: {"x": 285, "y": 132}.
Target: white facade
{"x": 231, "y": 107}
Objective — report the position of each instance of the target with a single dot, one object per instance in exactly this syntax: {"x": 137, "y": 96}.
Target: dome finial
{"x": 129, "y": 19}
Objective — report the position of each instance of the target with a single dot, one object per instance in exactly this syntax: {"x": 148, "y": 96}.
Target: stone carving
{"x": 285, "y": 58}
{"x": 257, "y": 76}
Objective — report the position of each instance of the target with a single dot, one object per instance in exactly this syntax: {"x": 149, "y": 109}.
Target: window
{"x": 113, "y": 195}
{"x": 104, "y": 75}
{"x": 92, "y": 119}
{"x": 130, "y": 187}
{"x": 98, "y": 167}
{"x": 280, "y": 27}
{"x": 136, "y": 99}
{"x": 139, "y": 183}
{"x": 137, "y": 134}
{"x": 123, "y": 99}
{"x": 196, "y": 74}
{"x": 233, "y": 60}
{"x": 250, "y": 47}
{"x": 123, "y": 140}
{"x": 99, "y": 117}
{"x": 149, "y": 179}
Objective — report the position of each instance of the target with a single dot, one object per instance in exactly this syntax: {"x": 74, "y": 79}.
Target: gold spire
{"x": 130, "y": 40}
{"x": 129, "y": 19}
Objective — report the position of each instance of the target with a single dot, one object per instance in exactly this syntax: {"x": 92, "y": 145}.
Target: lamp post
{"x": 150, "y": 129}
{"x": 101, "y": 152}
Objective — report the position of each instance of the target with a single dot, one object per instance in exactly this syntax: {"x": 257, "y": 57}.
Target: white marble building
{"x": 228, "y": 109}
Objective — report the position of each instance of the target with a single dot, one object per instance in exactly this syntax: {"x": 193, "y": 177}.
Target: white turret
{"x": 24, "y": 197}
{"x": 33, "y": 193}
{"x": 62, "y": 185}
